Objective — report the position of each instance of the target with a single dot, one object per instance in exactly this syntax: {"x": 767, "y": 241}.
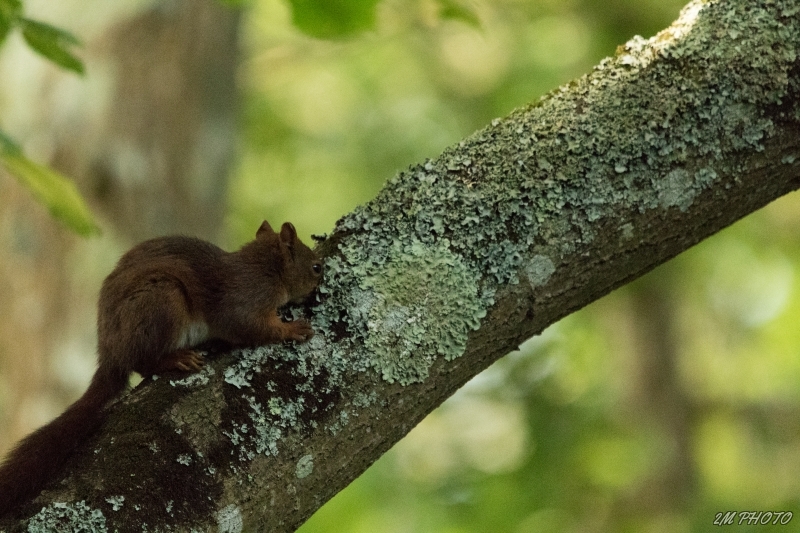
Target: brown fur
{"x": 164, "y": 297}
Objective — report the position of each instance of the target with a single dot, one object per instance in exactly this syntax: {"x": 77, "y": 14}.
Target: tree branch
{"x": 455, "y": 263}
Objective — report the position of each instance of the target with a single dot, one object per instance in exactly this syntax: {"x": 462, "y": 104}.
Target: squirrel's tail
{"x": 40, "y": 456}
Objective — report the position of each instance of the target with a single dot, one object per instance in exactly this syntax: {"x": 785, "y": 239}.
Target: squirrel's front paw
{"x": 298, "y": 330}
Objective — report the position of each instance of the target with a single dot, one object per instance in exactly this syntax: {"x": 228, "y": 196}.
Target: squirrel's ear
{"x": 265, "y": 228}
{"x": 288, "y": 233}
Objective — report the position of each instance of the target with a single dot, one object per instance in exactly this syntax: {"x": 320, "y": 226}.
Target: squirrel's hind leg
{"x": 155, "y": 330}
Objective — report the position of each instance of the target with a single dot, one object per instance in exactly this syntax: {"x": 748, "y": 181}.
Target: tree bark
{"x": 452, "y": 265}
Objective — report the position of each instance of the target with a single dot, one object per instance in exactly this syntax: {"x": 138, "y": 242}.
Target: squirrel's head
{"x": 302, "y": 269}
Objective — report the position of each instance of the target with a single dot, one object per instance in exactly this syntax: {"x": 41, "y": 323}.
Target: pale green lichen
{"x": 364, "y": 400}
{"x": 196, "y": 379}
{"x": 268, "y": 420}
{"x": 305, "y": 466}
{"x": 248, "y": 362}
{"x": 68, "y": 517}
{"x": 418, "y": 305}
{"x": 229, "y": 520}
{"x": 626, "y": 231}
{"x": 539, "y": 269}
{"x": 116, "y": 502}
{"x": 266, "y": 427}
{"x": 675, "y": 189}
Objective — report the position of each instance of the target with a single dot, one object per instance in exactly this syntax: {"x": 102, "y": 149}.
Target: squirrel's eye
{"x": 317, "y": 268}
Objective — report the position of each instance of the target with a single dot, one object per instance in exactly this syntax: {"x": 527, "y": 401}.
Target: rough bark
{"x": 456, "y": 262}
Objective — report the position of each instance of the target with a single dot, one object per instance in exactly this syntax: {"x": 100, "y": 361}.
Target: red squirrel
{"x": 166, "y": 296}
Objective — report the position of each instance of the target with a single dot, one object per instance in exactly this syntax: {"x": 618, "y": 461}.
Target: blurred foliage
{"x": 56, "y": 192}
{"x": 334, "y": 18}
{"x": 344, "y": 18}
{"x": 49, "y": 41}
{"x": 653, "y": 409}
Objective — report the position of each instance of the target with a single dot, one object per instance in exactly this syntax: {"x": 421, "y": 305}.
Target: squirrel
{"x": 164, "y": 297}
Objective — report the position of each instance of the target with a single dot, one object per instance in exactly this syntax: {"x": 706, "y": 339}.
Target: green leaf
{"x": 454, "y": 10}
{"x": 52, "y": 43}
{"x": 10, "y": 10}
{"x": 50, "y": 188}
{"x": 333, "y": 18}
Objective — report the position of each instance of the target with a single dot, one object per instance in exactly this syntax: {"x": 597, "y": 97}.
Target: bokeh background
{"x": 673, "y": 399}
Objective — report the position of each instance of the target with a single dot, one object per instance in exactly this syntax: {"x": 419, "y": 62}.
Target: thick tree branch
{"x": 455, "y": 263}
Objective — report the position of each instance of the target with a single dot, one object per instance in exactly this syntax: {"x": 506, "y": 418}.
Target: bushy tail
{"x": 40, "y": 456}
